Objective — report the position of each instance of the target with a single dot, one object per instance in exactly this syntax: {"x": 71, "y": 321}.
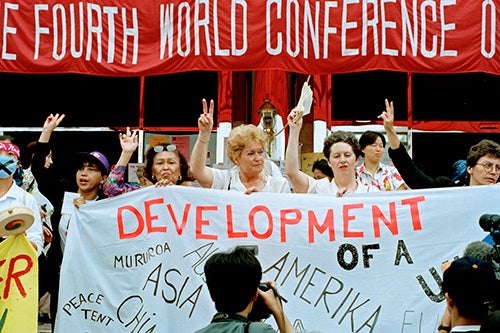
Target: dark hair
{"x": 472, "y": 285}
{"x": 27, "y": 156}
{"x": 184, "y": 166}
{"x": 483, "y": 148}
{"x": 368, "y": 138}
{"x": 5, "y": 137}
{"x": 323, "y": 166}
{"x": 341, "y": 136}
{"x": 232, "y": 279}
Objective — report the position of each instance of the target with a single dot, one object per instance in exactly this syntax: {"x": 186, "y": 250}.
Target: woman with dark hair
{"x": 322, "y": 169}
{"x": 372, "y": 172}
{"x": 165, "y": 165}
{"x": 341, "y": 149}
{"x": 482, "y": 162}
{"x": 90, "y": 171}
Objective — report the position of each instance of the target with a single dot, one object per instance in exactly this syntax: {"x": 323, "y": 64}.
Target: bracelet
{"x": 444, "y": 328}
{"x": 202, "y": 141}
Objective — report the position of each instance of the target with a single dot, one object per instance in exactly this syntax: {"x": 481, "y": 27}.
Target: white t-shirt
{"x": 230, "y": 180}
{"x": 16, "y": 197}
{"x": 324, "y": 186}
{"x": 65, "y": 220}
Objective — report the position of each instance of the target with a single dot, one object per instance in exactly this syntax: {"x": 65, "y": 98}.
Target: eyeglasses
{"x": 488, "y": 167}
{"x": 169, "y": 147}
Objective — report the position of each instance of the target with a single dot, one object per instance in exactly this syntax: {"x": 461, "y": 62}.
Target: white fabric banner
{"x": 361, "y": 263}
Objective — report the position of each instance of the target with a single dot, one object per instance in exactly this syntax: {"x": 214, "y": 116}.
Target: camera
{"x": 490, "y": 222}
{"x": 260, "y": 310}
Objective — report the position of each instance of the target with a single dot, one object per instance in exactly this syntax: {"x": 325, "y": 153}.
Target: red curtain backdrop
{"x": 322, "y": 92}
{"x": 225, "y": 97}
{"x": 271, "y": 84}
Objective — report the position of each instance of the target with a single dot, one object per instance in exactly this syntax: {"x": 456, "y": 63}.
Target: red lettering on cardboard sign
{"x": 19, "y": 266}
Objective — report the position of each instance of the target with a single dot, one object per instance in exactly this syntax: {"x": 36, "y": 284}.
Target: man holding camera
{"x": 470, "y": 288}
{"x": 233, "y": 280}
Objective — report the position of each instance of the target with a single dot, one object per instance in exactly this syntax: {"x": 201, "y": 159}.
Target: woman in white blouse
{"x": 245, "y": 148}
{"x": 341, "y": 149}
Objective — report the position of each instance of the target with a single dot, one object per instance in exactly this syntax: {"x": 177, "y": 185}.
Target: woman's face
{"x": 375, "y": 151}
{"x": 166, "y": 165}
{"x": 48, "y": 160}
{"x": 485, "y": 172}
{"x": 251, "y": 159}
{"x": 89, "y": 177}
{"x": 318, "y": 174}
{"x": 342, "y": 159}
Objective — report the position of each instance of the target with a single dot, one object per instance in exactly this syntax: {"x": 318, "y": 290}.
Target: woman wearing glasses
{"x": 245, "y": 148}
{"x": 482, "y": 164}
{"x": 165, "y": 165}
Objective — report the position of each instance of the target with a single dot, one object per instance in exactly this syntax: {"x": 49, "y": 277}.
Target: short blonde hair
{"x": 242, "y": 135}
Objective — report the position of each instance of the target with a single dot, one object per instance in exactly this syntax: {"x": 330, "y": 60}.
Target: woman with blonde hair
{"x": 245, "y": 148}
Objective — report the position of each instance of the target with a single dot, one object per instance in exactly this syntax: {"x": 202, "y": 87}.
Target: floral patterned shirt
{"x": 115, "y": 183}
{"x": 386, "y": 178}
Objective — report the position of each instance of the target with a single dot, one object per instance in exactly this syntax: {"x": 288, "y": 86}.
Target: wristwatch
{"x": 444, "y": 328}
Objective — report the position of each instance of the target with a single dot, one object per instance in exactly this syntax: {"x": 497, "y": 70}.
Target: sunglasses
{"x": 170, "y": 147}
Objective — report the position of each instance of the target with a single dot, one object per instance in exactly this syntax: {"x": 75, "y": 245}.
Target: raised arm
{"x": 129, "y": 142}
{"x": 115, "y": 182}
{"x": 388, "y": 118}
{"x": 200, "y": 171}
{"x": 49, "y": 126}
{"x": 412, "y": 175}
{"x": 299, "y": 180}
{"x": 46, "y": 179}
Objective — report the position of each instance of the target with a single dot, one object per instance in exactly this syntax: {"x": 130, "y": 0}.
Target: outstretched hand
{"x": 388, "y": 115}
{"x": 129, "y": 141}
{"x": 206, "y": 119}
{"x": 53, "y": 121}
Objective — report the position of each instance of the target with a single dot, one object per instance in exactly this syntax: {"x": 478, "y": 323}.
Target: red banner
{"x": 136, "y": 37}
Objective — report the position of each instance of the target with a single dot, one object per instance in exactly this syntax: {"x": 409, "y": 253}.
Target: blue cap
{"x": 458, "y": 169}
{"x": 96, "y": 157}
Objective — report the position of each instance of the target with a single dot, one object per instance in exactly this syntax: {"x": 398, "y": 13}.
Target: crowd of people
{"x": 349, "y": 166}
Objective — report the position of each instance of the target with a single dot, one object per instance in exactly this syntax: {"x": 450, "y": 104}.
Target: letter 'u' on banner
{"x": 18, "y": 285}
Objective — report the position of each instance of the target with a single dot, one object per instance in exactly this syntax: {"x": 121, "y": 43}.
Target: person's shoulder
{"x": 279, "y": 184}
{"x": 17, "y": 191}
{"x": 187, "y": 183}
{"x": 387, "y": 166}
{"x": 321, "y": 186}
{"x": 443, "y": 181}
{"x": 260, "y": 327}
{"x": 24, "y": 197}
